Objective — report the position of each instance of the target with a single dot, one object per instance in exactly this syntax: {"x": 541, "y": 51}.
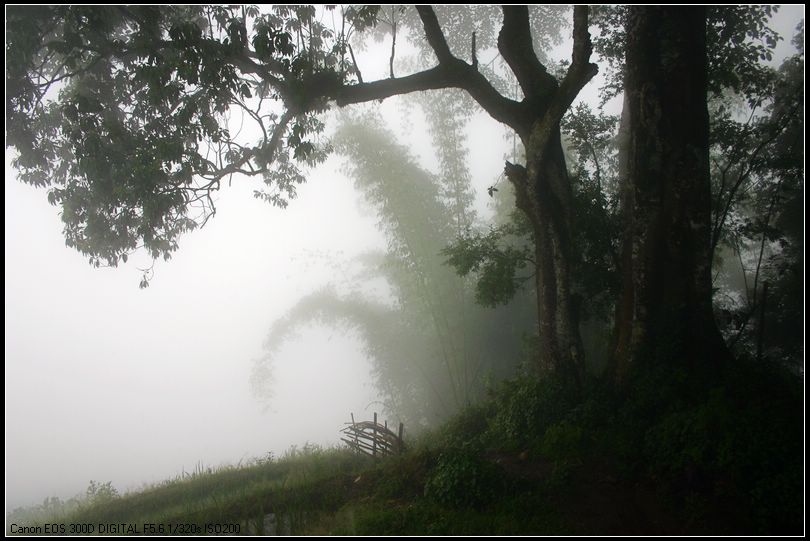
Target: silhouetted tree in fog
{"x": 135, "y": 143}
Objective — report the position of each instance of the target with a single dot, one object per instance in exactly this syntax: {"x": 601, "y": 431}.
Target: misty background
{"x": 109, "y": 382}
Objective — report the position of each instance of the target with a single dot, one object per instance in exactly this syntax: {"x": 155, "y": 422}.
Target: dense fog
{"x": 108, "y": 382}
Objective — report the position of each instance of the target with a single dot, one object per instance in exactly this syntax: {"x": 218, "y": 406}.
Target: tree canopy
{"x": 133, "y": 117}
{"x": 122, "y": 110}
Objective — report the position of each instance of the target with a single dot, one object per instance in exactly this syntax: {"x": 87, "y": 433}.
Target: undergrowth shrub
{"x": 563, "y": 440}
{"x": 734, "y": 453}
{"x": 525, "y": 407}
{"x": 463, "y": 478}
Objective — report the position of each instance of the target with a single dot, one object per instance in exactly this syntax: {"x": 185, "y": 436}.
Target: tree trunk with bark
{"x": 544, "y": 194}
{"x": 665, "y": 312}
{"x": 542, "y": 187}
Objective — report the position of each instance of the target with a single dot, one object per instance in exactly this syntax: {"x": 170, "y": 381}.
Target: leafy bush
{"x": 525, "y": 407}
{"x": 736, "y": 455}
{"x": 563, "y": 440}
{"x": 100, "y": 493}
{"x": 466, "y": 428}
{"x": 462, "y": 478}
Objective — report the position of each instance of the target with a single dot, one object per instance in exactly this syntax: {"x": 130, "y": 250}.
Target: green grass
{"x": 532, "y": 459}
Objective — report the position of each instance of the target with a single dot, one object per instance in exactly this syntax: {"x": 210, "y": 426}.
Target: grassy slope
{"x": 337, "y": 492}
{"x": 531, "y": 460}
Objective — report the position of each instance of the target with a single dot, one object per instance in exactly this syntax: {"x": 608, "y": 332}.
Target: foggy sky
{"x": 108, "y": 382}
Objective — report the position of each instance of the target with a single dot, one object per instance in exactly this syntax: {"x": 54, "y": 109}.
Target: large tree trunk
{"x": 544, "y": 194}
{"x": 665, "y": 312}
{"x": 542, "y": 187}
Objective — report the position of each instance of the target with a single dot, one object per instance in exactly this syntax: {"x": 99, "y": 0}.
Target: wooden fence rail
{"x": 372, "y": 438}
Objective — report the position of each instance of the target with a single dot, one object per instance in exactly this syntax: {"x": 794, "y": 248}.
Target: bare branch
{"x": 458, "y": 74}
{"x": 354, "y": 63}
{"x": 393, "y": 41}
{"x": 472, "y": 51}
{"x": 579, "y": 73}
{"x": 434, "y": 34}
{"x": 744, "y": 174}
{"x": 581, "y": 69}
{"x": 582, "y": 38}
{"x": 515, "y": 46}
{"x": 271, "y": 147}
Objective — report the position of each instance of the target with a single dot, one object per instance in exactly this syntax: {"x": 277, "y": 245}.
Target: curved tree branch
{"x": 579, "y": 73}
{"x": 434, "y": 34}
{"x": 456, "y": 74}
{"x": 515, "y": 46}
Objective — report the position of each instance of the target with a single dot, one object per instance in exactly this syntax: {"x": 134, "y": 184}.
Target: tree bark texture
{"x": 543, "y": 192}
{"x": 543, "y": 188}
{"x": 665, "y": 312}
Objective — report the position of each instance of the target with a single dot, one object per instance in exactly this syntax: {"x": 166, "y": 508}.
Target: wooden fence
{"x": 372, "y": 438}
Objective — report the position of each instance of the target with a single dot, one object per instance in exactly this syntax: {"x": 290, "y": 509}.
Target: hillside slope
{"x": 532, "y": 459}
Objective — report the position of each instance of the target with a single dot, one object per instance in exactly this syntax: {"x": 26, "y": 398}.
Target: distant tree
{"x": 120, "y": 110}
{"x": 758, "y": 166}
{"x": 431, "y": 346}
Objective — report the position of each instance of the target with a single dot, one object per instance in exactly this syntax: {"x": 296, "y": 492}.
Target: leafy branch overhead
{"x": 500, "y": 266}
{"x": 139, "y": 136}
{"x": 126, "y": 112}
{"x": 123, "y": 113}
